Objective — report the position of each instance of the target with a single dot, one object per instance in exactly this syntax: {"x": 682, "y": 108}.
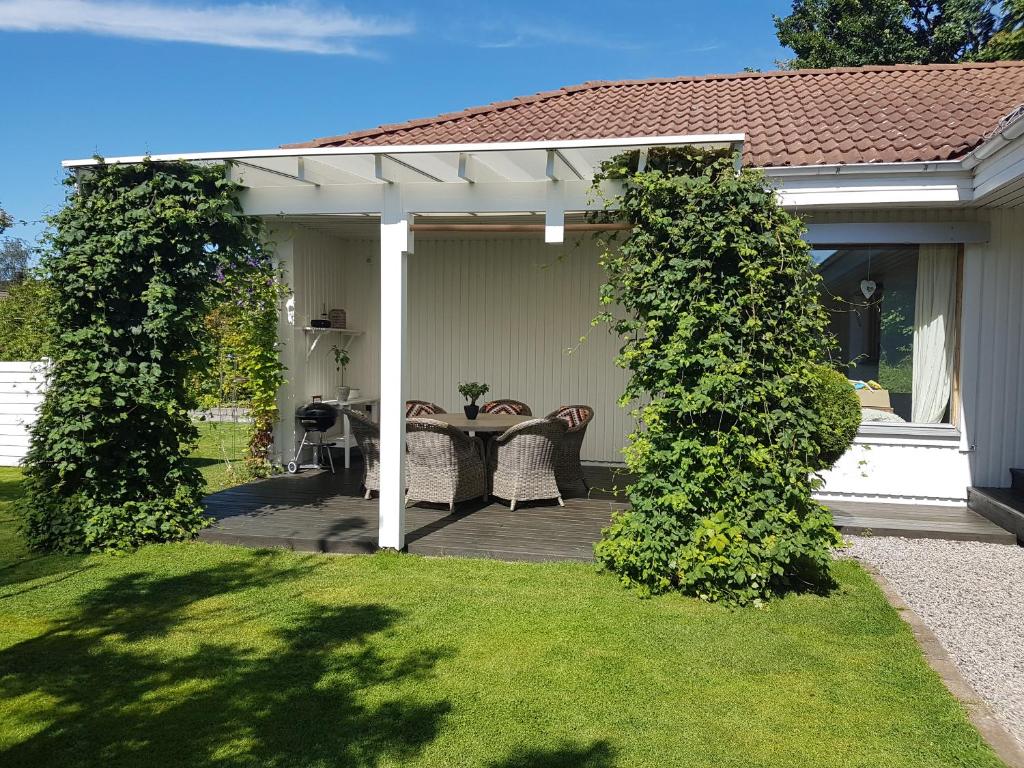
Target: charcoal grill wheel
{"x": 293, "y": 467}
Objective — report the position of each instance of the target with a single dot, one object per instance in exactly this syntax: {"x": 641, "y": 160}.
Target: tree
{"x": 1007, "y": 43}
{"x": 6, "y": 220}
{"x": 14, "y": 258}
{"x": 855, "y": 33}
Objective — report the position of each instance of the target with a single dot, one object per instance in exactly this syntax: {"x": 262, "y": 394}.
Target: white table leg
{"x": 348, "y": 445}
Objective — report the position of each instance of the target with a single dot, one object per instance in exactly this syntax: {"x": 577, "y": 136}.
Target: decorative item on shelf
{"x": 338, "y": 318}
{"x": 341, "y": 361}
{"x": 354, "y": 393}
{"x": 472, "y": 391}
{"x": 321, "y": 322}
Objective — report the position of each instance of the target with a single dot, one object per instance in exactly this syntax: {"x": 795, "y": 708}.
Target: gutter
{"x": 1010, "y": 127}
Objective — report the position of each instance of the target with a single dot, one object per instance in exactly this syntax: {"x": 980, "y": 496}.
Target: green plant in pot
{"x": 472, "y": 391}
{"x": 341, "y": 361}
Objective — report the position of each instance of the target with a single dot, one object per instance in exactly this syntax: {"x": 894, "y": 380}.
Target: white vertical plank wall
{"x": 992, "y": 357}
{"x": 22, "y": 385}
{"x": 506, "y": 310}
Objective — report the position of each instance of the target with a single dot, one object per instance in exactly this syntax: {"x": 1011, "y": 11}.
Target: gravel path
{"x": 971, "y": 595}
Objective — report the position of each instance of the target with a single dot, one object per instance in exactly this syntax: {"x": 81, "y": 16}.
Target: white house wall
{"x": 22, "y": 386}
{"x": 992, "y": 369}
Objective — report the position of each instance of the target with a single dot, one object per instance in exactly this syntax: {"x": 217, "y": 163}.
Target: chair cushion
{"x": 414, "y": 410}
{"x": 573, "y": 416}
{"x": 505, "y": 409}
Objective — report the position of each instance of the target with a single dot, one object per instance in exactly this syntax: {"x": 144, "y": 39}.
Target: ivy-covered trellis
{"x": 137, "y": 257}
{"x": 715, "y": 294}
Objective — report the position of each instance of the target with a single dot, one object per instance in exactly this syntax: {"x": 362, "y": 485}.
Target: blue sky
{"x": 121, "y": 77}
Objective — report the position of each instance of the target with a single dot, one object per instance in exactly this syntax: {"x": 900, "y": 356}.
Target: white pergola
{"x": 399, "y": 184}
{"x": 408, "y": 185}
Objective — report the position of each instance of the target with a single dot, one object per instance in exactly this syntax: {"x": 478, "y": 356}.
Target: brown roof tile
{"x": 803, "y": 117}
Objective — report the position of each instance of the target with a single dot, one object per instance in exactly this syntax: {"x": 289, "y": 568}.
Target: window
{"x": 892, "y": 311}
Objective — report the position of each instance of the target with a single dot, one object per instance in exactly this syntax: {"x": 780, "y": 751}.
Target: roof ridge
{"x": 593, "y": 85}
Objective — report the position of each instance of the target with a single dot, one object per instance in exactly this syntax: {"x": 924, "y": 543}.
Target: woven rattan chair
{"x": 367, "y": 435}
{"x": 568, "y": 469}
{"x": 444, "y": 465}
{"x": 522, "y": 461}
{"x": 506, "y": 407}
{"x": 414, "y": 409}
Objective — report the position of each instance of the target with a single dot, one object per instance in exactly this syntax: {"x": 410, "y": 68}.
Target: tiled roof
{"x": 803, "y": 117}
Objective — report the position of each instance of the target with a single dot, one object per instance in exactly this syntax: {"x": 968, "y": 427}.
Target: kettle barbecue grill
{"x": 314, "y": 418}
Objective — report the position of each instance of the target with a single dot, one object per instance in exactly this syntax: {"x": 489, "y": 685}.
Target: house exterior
{"x": 456, "y": 245}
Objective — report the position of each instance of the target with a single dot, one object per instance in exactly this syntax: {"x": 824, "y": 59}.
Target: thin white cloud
{"x": 280, "y": 26}
{"x": 518, "y": 35}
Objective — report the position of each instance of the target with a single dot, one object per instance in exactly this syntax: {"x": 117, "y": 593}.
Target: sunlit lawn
{"x": 203, "y": 655}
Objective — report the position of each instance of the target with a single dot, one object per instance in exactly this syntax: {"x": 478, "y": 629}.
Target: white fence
{"x": 22, "y": 385}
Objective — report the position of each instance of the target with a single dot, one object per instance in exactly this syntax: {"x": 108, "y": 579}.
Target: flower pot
{"x": 471, "y": 411}
{"x": 343, "y": 393}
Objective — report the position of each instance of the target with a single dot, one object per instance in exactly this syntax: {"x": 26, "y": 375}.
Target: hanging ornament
{"x": 867, "y": 287}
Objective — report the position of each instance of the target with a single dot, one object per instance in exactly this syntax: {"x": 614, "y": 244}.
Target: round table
{"x": 485, "y": 422}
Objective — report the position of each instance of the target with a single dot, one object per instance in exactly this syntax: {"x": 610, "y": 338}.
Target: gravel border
{"x": 971, "y": 596}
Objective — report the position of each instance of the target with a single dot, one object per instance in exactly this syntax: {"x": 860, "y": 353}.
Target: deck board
{"x": 318, "y": 512}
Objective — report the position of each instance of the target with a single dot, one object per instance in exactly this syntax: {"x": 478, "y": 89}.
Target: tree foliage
{"x": 26, "y": 320}
{"x": 1007, "y": 44}
{"x": 854, "y": 33}
{"x": 715, "y": 294}
{"x": 131, "y": 262}
{"x": 6, "y": 220}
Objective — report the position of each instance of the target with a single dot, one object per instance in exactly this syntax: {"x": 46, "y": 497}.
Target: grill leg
{"x": 330, "y": 457}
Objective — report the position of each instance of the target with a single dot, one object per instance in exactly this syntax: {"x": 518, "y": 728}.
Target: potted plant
{"x": 472, "y": 391}
{"x": 341, "y": 360}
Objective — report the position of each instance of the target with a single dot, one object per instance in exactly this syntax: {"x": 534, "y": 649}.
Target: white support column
{"x": 291, "y": 350}
{"x": 395, "y": 245}
{"x": 554, "y": 214}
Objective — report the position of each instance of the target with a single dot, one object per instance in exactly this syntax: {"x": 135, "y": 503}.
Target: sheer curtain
{"x": 934, "y": 332}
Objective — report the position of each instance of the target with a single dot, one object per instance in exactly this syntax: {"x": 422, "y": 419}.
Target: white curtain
{"x": 934, "y": 332}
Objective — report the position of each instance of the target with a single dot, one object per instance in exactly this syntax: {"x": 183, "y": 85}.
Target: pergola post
{"x": 395, "y": 245}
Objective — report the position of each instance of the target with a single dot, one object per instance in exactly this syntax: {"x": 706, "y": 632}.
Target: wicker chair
{"x": 522, "y": 461}
{"x": 367, "y": 435}
{"x": 507, "y": 407}
{"x": 444, "y": 465}
{"x": 417, "y": 408}
{"x": 568, "y": 469}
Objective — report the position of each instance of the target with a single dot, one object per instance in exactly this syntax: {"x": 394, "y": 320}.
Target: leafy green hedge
{"x": 715, "y": 295}
{"x": 839, "y": 413}
{"x": 134, "y": 265}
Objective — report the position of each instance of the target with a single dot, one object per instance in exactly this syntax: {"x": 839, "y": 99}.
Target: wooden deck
{"x": 318, "y": 512}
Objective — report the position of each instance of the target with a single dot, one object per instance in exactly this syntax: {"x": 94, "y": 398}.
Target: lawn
{"x": 205, "y": 655}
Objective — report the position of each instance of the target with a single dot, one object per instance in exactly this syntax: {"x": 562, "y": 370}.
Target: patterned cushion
{"x": 505, "y": 408}
{"x": 573, "y": 415}
{"x": 416, "y": 408}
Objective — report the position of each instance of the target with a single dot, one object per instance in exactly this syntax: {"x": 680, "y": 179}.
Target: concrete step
{"x": 1003, "y": 506}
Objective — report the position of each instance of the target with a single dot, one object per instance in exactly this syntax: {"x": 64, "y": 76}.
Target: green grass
{"x": 203, "y": 655}
{"x": 220, "y": 453}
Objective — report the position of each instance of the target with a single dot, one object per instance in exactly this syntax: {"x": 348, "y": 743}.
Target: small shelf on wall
{"x": 313, "y": 336}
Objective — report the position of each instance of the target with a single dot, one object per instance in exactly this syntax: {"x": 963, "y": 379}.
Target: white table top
{"x": 365, "y": 400}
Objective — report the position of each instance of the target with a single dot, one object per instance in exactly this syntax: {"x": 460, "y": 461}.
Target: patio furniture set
{"x": 504, "y": 451}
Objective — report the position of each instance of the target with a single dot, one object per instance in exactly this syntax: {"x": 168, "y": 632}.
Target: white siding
{"x": 992, "y": 357}
{"x": 22, "y": 385}
{"x": 503, "y": 310}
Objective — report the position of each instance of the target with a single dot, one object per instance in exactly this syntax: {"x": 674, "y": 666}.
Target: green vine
{"x": 715, "y": 296}
{"x": 137, "y": 258}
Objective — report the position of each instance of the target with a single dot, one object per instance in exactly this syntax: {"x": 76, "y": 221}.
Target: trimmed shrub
{"x": 715, "y": 296}
{"x": 839, "y": 414}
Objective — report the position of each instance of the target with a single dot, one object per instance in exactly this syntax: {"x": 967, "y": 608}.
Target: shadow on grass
{"x": 316, "y": 689}
{"x": 598, "y": 755}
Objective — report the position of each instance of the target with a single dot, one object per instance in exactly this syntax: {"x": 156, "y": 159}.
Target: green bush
{"x": 839, "y": 414}
{"x": 717, "y": 304}
{"x": 133, "y": 266}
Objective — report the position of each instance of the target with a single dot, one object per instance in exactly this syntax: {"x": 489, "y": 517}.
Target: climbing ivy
{"x": 714, "y": 292}
{"x": 136, "y": 258}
